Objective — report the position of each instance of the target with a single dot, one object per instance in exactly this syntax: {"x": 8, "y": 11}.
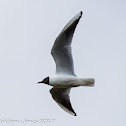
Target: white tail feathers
{"x": 88, "y": 82}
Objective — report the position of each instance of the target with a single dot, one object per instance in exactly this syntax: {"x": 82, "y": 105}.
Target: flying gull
{"x": 65, "y": 78}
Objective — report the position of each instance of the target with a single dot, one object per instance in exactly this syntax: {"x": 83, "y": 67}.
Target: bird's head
{"x": 46, "y": 80}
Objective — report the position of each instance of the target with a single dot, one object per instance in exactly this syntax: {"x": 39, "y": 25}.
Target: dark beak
{"x": 40, "y": 82}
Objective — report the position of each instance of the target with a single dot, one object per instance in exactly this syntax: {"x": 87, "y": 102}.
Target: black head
{"x": 46, "y": 80}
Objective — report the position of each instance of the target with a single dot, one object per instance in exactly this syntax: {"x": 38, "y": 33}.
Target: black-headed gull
{"x": 65, "y": 77}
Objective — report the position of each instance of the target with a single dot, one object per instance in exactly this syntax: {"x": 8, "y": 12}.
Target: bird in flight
{"x": 65, "y": 78}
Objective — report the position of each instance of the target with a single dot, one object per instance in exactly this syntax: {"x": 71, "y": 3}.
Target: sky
{"x": 28, "y": 29}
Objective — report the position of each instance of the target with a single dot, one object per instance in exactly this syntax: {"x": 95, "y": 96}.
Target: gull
{"x": 65, "y": 78}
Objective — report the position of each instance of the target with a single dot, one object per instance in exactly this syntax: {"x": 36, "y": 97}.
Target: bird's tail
{"x": 88, "y": 82}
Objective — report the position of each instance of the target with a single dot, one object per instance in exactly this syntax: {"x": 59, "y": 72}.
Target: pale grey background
{"x": 28, "y": 29}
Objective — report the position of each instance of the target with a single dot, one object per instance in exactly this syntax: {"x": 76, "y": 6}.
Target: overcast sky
{"x": 28, "y": 29}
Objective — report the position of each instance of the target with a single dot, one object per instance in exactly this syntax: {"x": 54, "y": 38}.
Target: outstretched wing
{"x": 61, "y": 50}
{"x": 61, "y": 96}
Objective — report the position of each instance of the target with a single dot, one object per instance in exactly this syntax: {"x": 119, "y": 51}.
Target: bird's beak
{"x": 40, "y": 82}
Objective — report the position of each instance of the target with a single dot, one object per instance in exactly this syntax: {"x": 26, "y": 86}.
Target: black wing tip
{"x": 81, "y": 13}
{"x": 75, "y": 114}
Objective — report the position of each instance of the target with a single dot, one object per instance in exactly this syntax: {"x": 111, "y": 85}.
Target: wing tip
{"x": 71, "y": 113}
{"x": 75, "y": 114}
{"x": 81, "y": 13}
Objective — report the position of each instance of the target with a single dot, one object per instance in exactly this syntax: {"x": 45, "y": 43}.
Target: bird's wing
{"x": 61, "y": 50}
{"x": 61, "y": 96}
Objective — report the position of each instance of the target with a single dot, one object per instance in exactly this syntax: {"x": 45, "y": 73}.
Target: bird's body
{"x": 65, "y": 78}
{"x": 67, "y": 81}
